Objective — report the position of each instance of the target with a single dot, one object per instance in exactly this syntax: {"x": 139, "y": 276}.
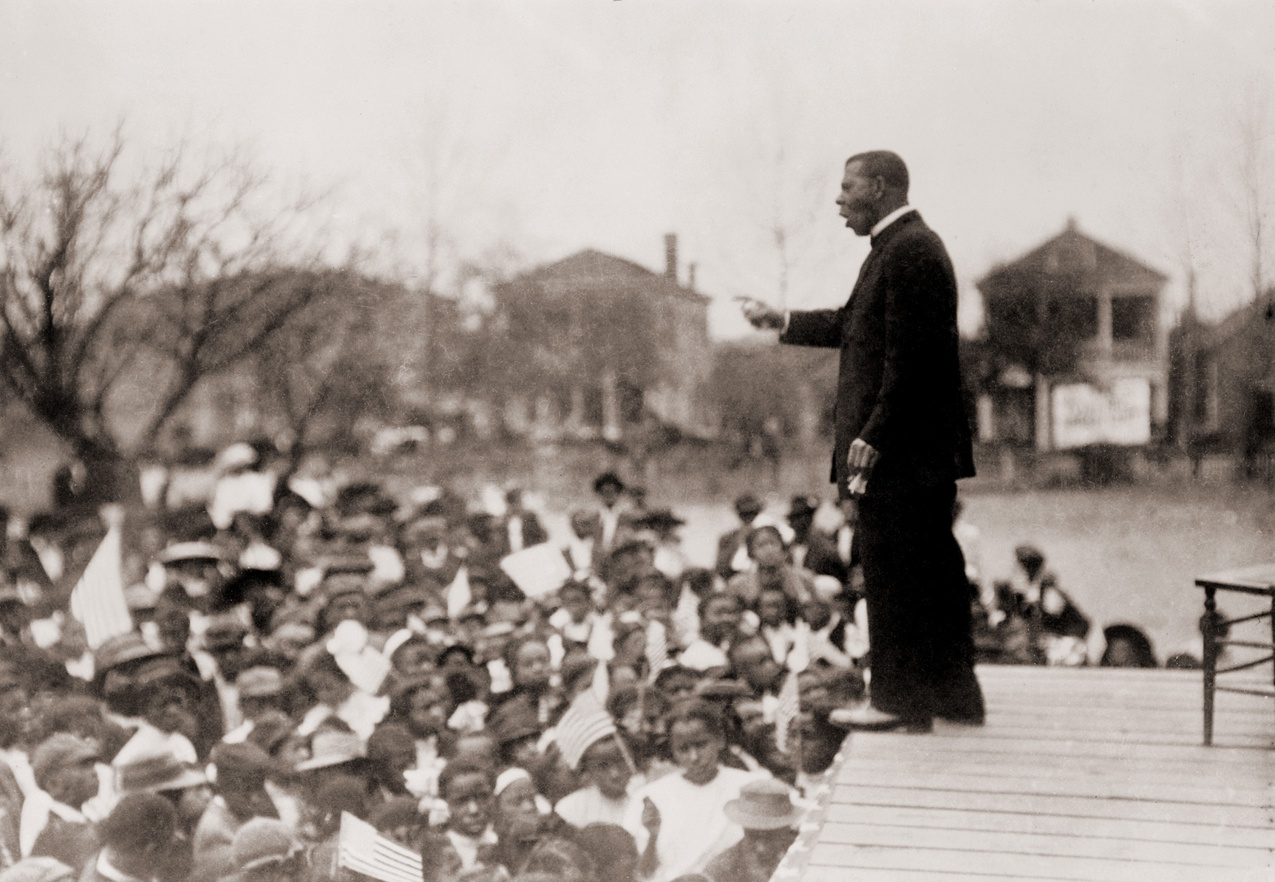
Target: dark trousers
{"x": 919, "y": 622}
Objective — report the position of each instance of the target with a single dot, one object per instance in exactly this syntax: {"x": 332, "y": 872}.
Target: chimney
{"x": 670, "y": 256}
{"x": 690, "y": 275}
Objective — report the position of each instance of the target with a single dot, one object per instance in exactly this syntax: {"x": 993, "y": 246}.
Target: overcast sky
{"x": 607, "y": 123}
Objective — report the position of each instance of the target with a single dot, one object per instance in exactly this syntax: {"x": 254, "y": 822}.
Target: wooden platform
{"x": 1089, "y": 774}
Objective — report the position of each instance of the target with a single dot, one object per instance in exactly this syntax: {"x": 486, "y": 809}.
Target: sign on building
{"x": 1084, "y": 414}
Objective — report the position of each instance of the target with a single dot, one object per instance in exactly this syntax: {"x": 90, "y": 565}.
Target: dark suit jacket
{"x": 899, "y": 384}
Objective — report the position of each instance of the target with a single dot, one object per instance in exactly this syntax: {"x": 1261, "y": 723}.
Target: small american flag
{"x": 362, "y": 849}
{"x": 787, "y": 709}
{"x": 656, "y": 648}
{"x": 585, "y": 723}
{"x": 97, "y": 601}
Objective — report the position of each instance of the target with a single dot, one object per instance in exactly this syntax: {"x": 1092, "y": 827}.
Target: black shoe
{"x": 963, "y": 719}
{"x": 869, "y": 719}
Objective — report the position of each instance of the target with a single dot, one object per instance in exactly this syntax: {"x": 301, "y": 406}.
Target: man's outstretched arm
{"x": 820, "y": 327}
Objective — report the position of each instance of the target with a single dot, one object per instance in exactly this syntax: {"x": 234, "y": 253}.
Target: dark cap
{"x": 513, "y": 721}
{"x": 802, "y": 507}
{"x": 608, "y": 478}
{"x": 748, "y": 503}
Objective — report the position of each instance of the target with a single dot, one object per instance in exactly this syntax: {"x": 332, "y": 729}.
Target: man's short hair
{"x": 885, "y": 165}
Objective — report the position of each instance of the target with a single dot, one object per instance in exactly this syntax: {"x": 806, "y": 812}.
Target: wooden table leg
{"x": 1210, "y": 659}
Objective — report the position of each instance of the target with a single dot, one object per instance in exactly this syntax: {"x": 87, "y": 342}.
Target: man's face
{"x": 858, "y": 200}
{"x": 531, "y": 669}
{"x": 170, "y": 708}
{"x": 74, "y": 785}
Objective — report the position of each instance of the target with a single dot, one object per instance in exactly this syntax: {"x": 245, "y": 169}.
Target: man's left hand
{"x": 861, "y": 458}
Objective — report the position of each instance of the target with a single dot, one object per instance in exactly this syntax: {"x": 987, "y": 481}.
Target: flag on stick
{"x": 787, "y": 709}
{"x": 585, "y": 722}
{"x": 97, "y": 600}
{"x": 362, "y": 849}
{"x": 656, "y": 649}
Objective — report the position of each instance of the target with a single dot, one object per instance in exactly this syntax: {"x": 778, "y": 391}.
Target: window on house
{"x": 1075, "y": 314}
{"x": 1133, "y": 320}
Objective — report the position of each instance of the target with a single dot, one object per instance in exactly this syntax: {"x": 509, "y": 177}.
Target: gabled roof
{"x": 595, "y": 269}
{"x": 1069, "y": 248}
{"x": 1243, "y": 320}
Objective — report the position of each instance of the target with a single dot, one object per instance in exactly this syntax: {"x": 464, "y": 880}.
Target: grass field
{"x": 1128, "y": 554}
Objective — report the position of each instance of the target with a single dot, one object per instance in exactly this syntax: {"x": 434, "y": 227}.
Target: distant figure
{"x": 613, "y": 510}
{"x": 813, "y": 549}
{"x": 1127, "y": 647}
{"x": 519, "y": 528}
{"x": 732, "y": 556}
{"x": 1057, "y": 626}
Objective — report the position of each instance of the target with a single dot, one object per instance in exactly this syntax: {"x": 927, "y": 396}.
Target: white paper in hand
{"x": 538, "y": 570}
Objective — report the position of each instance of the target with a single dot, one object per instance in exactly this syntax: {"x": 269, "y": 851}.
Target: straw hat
{"x": 763, "y": 805}
{"x": 162, "y": 771}
{"x": 331, "y": 747}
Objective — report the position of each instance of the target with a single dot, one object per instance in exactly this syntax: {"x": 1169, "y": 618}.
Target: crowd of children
{"x": 297, "y": 651}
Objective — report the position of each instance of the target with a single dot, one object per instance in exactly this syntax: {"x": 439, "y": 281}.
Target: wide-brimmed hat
{"x": 225, "y": 631}
{"x": 270, "y": 729}
{"x": 165, "y": 671}
{"x": 404, "y": 599}
{"x": 659, "y": 519}
{"x": 241, "y": 764}
{"x": 331, "y": 747}
{"x": 184, "y": 551}
{"x": 163, "y": 771}
{"x": 260, "y": 681}
{"x": 122, "y": 649}
{"x": 763, "y": 805}
{"x": 264, "y": 841}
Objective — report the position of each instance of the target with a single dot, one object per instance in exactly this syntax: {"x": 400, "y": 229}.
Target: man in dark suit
{"x": 813, "y": 549}
{"x": 902, "y": 439}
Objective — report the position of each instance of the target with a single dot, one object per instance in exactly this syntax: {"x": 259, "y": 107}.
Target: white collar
{"x": 890, "y": 218}
{"x": 109, "y": 871}
{"x": 67, "y": 813}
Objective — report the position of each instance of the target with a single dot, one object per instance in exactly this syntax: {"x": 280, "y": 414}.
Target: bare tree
{"x": 176, "y": 272}
{"x": 1254, "y": 181}
{"x": 327, "y": 367}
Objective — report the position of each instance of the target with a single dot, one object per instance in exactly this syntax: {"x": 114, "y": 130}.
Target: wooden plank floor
{"x": 1090, "y": 774}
